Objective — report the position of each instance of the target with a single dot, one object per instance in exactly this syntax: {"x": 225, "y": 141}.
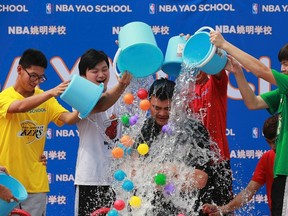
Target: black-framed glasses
{"x": 33, "y": 77}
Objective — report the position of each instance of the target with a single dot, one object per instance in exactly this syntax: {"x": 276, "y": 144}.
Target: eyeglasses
{"x": 33, "y": 77}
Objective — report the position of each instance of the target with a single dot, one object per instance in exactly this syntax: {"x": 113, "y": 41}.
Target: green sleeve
{"x": 281, "y": 81}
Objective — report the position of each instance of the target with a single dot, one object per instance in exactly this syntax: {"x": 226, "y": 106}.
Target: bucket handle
{"x": 115, "y": 60}
{"x": 213, "y": 46}
{"x": 204, "y": 28}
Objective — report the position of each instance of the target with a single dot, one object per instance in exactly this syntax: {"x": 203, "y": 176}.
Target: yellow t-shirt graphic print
{"x": 30, "y": 131}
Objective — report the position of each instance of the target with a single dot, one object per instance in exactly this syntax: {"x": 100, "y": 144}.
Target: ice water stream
{"x": 168, "y": 154}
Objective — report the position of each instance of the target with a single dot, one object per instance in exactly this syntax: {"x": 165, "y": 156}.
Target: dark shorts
{"x": 279, "y": 196}
{"x": 161, "y": 206}
{"x": 91, "y": 198}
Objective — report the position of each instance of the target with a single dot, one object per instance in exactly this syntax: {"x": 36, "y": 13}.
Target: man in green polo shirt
{"x": 274, "y": 101}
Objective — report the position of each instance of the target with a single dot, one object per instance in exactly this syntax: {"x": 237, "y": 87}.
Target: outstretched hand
{"x": 233, "y": 65}
{"x": 187, "y": 36}
{"x": 125, "y": 79}
{"x": 3, "y": 169}
{"x": 217, "y": 39}
{"x": 211, "y": 210}
{"x": 6, "y": 194}
{"x": 60, "y": 88}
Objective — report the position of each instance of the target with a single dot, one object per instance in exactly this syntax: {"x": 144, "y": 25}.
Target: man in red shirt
{"x": 263, "y": 174}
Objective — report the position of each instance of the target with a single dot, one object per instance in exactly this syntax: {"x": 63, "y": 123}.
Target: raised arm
{"x": 251, "y": 101}
{"x": 112, "y": 95}
{"x": 33, "y": 101}
{"x": 195, "y": 179}
{"x": 247, "y": 61}
{"x": 105, "y": 102}
{"x": 240, "y": 200}
{"x": 69, "y": 117}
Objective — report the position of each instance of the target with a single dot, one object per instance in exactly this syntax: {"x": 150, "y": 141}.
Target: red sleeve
{"x": 261, "y": 169}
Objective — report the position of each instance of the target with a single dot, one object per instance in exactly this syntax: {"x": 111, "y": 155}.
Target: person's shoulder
{"x": 268, "y": 154}
{"x": 38, "y": 91}
{"x": 279, "y": 76}
{"x": 271, "y": 153}
{"x": 10, "y": 92}
{"x": 275, "y": 71}
{"x": 7, "y": 90}
{"x": 148, "y": 122}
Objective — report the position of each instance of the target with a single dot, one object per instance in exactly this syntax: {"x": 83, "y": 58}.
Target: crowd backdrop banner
{"x": 63, "y": 30}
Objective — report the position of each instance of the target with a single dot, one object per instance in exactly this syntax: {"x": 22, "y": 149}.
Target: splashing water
{"x": 172, "y": 155}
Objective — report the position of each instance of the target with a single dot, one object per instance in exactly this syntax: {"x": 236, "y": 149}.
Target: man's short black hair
{"x": 33, "y": 57}
{"x": 162, "y": 89}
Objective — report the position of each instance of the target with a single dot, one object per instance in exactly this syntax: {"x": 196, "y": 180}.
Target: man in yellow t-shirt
{"x": 25, "y": 112}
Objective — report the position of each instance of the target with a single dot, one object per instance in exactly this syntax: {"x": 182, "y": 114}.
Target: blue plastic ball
{"x": 119, "y": 175}
{"x": 127, "y": 150}
{"x": 113, "y": 212}
{"x": 128, "y": 185}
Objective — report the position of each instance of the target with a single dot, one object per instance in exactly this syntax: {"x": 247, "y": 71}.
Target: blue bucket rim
{"x": 207, "y": 57}
{"x": 156, "y": 50}
{"x": 84, "y": 115}
{"x": 94, "y": 102}
{"x": 20, "y": 198}
{"x": 165, "y": 67}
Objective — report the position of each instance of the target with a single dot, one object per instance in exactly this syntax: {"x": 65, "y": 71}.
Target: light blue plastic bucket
{"x": 82, "y": 95}
{"x": 173, "y": 56}
{"x": 18, "y": 191}
{"x": 200, "y": 53}
{"x": 138, "y": 52}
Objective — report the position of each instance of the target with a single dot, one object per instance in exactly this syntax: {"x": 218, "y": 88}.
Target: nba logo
{"x": 152, "y": 8}
{"x": 49, "y": 133}
{"x": 50, "y": 176}
{"x": 255, "y": 132}
{"x": 48, "y": 8}
{"x": 254, "y": 8}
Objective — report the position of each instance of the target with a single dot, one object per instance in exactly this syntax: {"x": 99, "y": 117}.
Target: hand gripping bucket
{"x": 82, "y": 95}
{"x": 200, "y": 53}
{"x": 138, "y": 52}
{"x": 173, "y": 56}
{"x": 18, "y": 191}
